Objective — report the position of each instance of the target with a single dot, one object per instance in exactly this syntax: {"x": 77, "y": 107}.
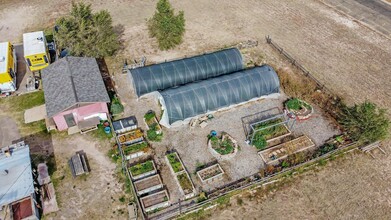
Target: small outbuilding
{"x": 125, "y": 124}
{"x": 75, "y": 95}
{"x": 17, "y": 195}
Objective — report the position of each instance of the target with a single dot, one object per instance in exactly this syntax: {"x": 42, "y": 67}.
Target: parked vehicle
{"x": 8, "y": 68}
{"x": 36, "y": 51}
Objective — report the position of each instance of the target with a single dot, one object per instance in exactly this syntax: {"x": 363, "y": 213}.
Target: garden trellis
{"x": 281, "y": 117}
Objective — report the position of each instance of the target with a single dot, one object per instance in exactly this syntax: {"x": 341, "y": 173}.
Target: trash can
{"x": 107, "y": 130}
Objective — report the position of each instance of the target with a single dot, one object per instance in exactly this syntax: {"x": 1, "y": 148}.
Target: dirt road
{"x": 349, "y": 58}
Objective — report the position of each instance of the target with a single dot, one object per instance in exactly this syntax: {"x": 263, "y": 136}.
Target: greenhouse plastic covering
{"x": 175, "y": 73}
{"x": 210, "y": 95}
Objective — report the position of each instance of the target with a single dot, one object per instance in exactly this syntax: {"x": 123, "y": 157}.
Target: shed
{"x": 125, "y": 124}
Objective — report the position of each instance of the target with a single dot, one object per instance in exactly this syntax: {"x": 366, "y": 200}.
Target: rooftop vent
{"x": 2, "y": 59}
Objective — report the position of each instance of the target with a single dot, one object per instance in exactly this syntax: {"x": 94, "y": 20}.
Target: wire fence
{"x": 242, "y": 184}
{"x": 295, "y": 63}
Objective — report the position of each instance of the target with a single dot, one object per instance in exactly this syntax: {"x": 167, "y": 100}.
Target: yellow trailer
{"x": 8, "y": 68}
{"x": 36, "y": 51}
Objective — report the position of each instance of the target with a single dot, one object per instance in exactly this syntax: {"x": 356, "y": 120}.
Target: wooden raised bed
{"x": 186, "y": 185}
{"x": 142, "y": 170}
{"x": 155, "y": 201}
{"x": 135, "y": 150}
{"x": 210, "y": 173}
{"x": 281, "y": 151}
{"x": 148, "y": 184}
{"x": 181, "y": 176}
{"x": 150, "y": 122}
{"x": 131, "y": 137}
{"x": 269, "y": 134}
{"x": 175, "y": 162}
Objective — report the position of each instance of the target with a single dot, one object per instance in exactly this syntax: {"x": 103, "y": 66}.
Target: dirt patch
{"x": 93, "y": 196}
{"x": 9, "y": 131}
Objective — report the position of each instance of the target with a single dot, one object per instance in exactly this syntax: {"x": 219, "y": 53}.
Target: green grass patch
{"x": 101, "y": 134}
{"x": 141, "y": 168}
{"x": 174, "y": 162}
{"x": 15, "y": 106}
{"x": 135, "y": 148}
{"x": 25, "y": 101}
{"x": 223, "y": 200}
{"x": 113, "y": 155}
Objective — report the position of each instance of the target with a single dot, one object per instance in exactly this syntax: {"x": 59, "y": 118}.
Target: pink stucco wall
{"x": 79, "y": 114}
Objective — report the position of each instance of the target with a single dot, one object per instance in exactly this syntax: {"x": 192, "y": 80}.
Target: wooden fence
{"x": 295, "y": 63}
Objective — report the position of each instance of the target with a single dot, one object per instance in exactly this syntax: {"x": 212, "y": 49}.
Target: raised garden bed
{"x": 223, "y": 147}
{"x": 155, "y": 201}
{"x": 152, "y": 122}
{"x": 186, "y": 185}
{"x": 142, "y": 170}
{"x": 265, "y": 132}
{"x": 277, "y": 153}
{"x": 210, "y": 173}
{"x": 175, "y": 163}
{"x": 148, "y": 184}
{"x": 154, "y": 132}
{"x": 299, "y": 108}
{"x": 131, "y": 137}
{"x": 135, "y": 150}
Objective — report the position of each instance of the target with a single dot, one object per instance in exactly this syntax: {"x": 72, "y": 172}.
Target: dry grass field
{"x": 349, "y": 58}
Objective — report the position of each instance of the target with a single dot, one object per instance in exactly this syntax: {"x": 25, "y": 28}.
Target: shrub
{"x": 202, "y": 197}
{"x": 166, "y": 27}
{"x": 259, "y": 142}
{"x": 149, "y": 116}
{"x": 285, "y": 164}
{"x": 152, "y": 135}
{"x": 116, "y": 107}
{"x": 365, "y": 122}
{"x": 297, "y": 104}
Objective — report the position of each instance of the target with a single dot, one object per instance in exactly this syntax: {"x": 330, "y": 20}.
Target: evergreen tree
{"x": 365, "y": 122}
{"x": 165, "y": 26}
{"x": 84, "y": 33}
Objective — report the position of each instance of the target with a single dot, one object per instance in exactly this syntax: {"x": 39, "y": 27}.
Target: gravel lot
{"x": 194, "y": 151}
